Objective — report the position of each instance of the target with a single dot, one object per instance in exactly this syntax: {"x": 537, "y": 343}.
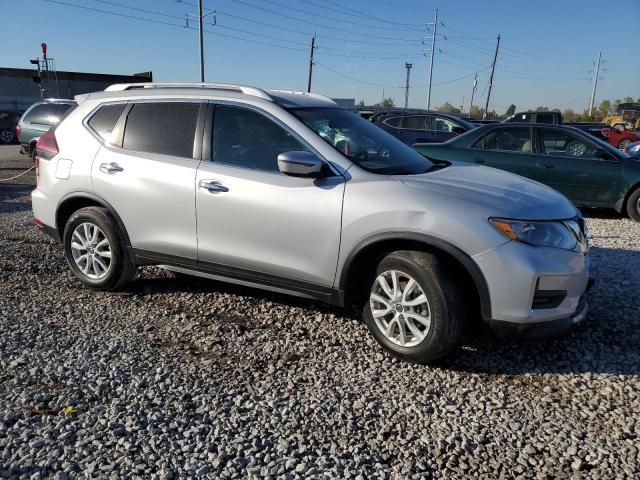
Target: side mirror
{"x": 300, "y": 164}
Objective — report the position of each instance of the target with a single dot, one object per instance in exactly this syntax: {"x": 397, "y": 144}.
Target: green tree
{"x": 386, "y": 103}
{"x": 542, "y": 109}
{"x": 510, "y": 111}
{"x": 604, "y": 109}
{"x": 448, "y": 108}
{"x": 476, "y": 111}
{"x": 570, "y": 116}
{"x": 627, "y": 100}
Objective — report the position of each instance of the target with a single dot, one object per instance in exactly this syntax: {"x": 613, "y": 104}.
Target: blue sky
{"x": 547, "y": 47}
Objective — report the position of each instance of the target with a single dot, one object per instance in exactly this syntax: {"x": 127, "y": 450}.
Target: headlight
{"x": 540, "y": 234}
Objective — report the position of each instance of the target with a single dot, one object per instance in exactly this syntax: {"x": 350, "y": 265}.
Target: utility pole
{"x": 313, "y": 47}
{"x": 473, "y": 92}
{"x": 201, "y": 33}
{"x": 595, "y": 84}
{"x": 406, "y": 91}
{"x": 433, "y": 50}
{"x": 201, "y": 16}
{"x": 493, "y": 69}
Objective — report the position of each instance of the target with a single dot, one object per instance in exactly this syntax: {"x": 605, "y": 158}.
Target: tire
{"x": 576, "y": 149}
{"x": 633, "y": 205}
{"x": 624, "y": 143}
{"x": 6, "y": 136}
{"x": 113, "y": 265}
{"x": 443, "y": 308}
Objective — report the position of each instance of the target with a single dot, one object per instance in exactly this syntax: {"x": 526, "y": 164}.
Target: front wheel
{"x": 633, "y": 205}
{"x": 415, "y": 310}
{"x": 624, "y": 143}
{"x": 96, "y": 249}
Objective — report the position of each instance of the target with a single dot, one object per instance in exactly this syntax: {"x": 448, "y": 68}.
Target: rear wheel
{"x": 96, "y": 249}
{"x": 633, "y": 205}
{"x": 415, "y": 310}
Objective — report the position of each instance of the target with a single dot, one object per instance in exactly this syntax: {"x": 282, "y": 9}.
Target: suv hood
{"x": 499, "y": 193}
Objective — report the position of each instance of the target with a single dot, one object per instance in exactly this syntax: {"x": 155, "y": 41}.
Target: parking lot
{"x": 180, "y": 377}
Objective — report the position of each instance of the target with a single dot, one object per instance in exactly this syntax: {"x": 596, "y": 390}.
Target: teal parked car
{"x": 588, "y": 171}
{"x": 39, "y": 118}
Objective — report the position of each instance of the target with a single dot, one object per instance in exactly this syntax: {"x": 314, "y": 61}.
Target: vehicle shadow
{"x": 613, "y": 324}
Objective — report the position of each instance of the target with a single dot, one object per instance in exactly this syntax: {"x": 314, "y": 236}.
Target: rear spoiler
{"x": 81, "y": 98}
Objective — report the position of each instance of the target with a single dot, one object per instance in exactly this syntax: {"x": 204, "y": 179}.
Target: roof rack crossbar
{"x": 256, "y": 92}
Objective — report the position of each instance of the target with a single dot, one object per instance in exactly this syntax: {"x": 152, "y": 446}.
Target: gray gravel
{"x": 176, "y": 378}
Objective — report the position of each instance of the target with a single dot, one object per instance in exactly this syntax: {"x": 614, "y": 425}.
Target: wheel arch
{"x": 621, "y": 206}
{"x": 74, "y": 201}
{"x": 363, "y": 260}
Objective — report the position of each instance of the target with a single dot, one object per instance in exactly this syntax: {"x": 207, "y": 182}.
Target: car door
{"x": 146, "y": 171}
{"x": 417, "y": 129}
{"x": 572, "y": 164}
{"x": 256, "y": 223}
{"x": 508, "y": 148}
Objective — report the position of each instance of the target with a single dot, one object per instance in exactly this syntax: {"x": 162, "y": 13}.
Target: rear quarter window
{"x": 44, "y": 114}
{"x": 103, "y": 121}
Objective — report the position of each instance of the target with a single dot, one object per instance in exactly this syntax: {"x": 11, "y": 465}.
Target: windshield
{"x": 366, "y": 145}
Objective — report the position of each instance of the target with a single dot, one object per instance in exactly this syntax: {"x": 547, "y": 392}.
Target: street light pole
{"x": 406, "y": 92}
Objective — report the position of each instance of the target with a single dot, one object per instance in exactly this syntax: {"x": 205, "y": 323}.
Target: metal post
{"x": 493, "y": 69}
{"x": 313, "y": 47}
{"x": 201, "y": 33}
{"x": 433, "y": 50}
{"x": 406, "y": 92}
{"x": 595, "y": 84}
{"x": 473, "y": 92}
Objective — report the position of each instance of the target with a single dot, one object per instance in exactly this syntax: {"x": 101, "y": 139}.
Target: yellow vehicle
{"x": 627, "y": 114}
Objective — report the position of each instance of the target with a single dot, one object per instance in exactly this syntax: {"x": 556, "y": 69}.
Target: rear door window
{"x": 544, "y": 118}
{"x": 443, "y": 124}
{"x": 415, "y": 122}
{"x": 167, "y": 128}
{"x": 511, "y": 139}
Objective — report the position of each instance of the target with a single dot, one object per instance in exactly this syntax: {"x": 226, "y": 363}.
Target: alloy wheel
{"x": 400, "y": 308}
{"x": 91, "y": 250}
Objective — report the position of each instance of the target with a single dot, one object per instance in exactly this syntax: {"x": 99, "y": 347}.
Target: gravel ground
{"x": 198, "y": 379}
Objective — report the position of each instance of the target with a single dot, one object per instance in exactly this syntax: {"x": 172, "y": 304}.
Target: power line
{"x": 321, "y": 25}
{"x": 333, "y": 19}
{"x": 357, "y": 13}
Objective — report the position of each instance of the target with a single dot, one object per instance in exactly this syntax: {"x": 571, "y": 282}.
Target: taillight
{"x": 47, "y": 146}
{"x": 18, "y": 131}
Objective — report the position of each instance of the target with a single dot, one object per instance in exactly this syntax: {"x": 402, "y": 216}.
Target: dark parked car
{"x": 589, "y": 171}
{"x": 8, "y": 121}
{"x": 428, "y": 127}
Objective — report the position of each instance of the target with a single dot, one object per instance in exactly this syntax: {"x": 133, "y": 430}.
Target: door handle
{"x": 478, "y": 160}
{"x": 212, "y": 186}
{"x": 548, "y": 166}
{"x": 112, "y": 167}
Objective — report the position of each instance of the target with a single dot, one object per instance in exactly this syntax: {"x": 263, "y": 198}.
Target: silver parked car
{"x": 249, "y": 186}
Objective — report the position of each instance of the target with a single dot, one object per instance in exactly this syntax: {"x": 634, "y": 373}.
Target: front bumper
{"x": 529, "y": 285}
{"x": 546, "y": 329}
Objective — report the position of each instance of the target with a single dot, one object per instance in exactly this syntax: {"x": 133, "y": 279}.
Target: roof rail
{"x": 308, "y": 94}
{"x": 256, "y": 92}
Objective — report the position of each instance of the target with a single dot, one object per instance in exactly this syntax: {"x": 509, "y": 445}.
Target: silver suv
{"x": 288, "y": 192}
